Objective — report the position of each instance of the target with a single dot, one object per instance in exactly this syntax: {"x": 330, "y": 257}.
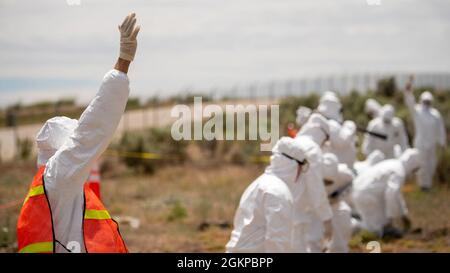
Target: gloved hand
{"x": 128, "y": 34}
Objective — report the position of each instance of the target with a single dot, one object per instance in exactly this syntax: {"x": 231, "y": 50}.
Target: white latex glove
{"x": 128, "y": 34}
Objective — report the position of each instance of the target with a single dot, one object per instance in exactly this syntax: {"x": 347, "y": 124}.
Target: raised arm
{"x": 70, "y": 165}
{"x": 408, "y": 96}
{"x": 442, "y": 133}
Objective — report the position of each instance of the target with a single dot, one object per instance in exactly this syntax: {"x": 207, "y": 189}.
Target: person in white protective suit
{"x": 338, "y": 180}
{"x": 393, "y": 127}
{"x": 372, "y": 108}
{"x": 343, "y": 137}
{"x": 344, "y": 144}
{"x": 429, "y": 133}
{"x": 377, "y": 192}
{"x": 310, "y": 198}
{"x": 372, "y": 159}
{"x": 68, "y": 148}
{"x": 263, "y": 220}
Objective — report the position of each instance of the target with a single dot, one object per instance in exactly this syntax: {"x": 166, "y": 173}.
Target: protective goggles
{"x": 303, "y": 163}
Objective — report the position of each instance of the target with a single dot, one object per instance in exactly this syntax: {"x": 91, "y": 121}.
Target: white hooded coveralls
{"x": 310, "y": 197}
{"x": 394, "y": 129}
{"x": 263, "y": 220}
{"x": 341, "y": 176}
{"x": 377, "y": 192}
{"x": 73, "y": 154}
{"x": 429, "y": 133}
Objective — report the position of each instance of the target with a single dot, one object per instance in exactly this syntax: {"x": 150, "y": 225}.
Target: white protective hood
{"x": 55, "y": 132}
{"x": 387, "y": 113}
{"x": 316, "y": 128}
{"x": 372, "y": 159}
{"x": 330, "y": 106}
{"x": 410, "y": 160}
{"x": 372, "y": 107}
{"x": 426, "y": 96}
{"x": 302, "y": 115}
{"x": 280, "y": 165}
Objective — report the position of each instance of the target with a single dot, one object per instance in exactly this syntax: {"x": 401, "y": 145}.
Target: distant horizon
{"x": 341, "y": 84}
{"x": 50, "y": 50}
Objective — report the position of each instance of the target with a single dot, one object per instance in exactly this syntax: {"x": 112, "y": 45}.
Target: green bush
{"x": 177, "y": 211}
{"x": 134, "y": 146}
{"x": 25, "y": 148}
{"x": 387, "y": 87}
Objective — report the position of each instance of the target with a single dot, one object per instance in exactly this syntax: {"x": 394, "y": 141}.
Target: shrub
{"x": 177, "y": 211}
{"x": 156, "y": 140}
{"x": 25, "y": 148}
{"x": 386, "y": 87}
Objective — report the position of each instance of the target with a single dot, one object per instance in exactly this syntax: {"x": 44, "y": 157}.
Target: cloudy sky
{"x": 49, "y": 49}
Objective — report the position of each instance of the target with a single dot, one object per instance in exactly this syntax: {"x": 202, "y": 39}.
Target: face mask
{"x": 427, "y": 104}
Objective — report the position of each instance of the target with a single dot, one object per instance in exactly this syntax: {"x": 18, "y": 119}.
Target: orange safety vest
{"x": 35, "y": 233}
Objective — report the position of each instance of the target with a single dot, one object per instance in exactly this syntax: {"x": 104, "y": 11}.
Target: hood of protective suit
{"x": 317, "y": 128}
{"x": 387, "y": 113}
{"x": 375, "y": 157}
{"x": 372, "y": 107}
{"x": 350, "y": 125}
{"x": 426, "y": 96}
{"x": 410, "y": 160}
{"x": 339, "y": 174}
{"x": 303, "y": 114}
{"x": 326, "y": 95}
{"x": 52, "y": 136}
{"x": 372, "y": 159}
{"x": 330, "y": 106}
{"x": 282, "y": 166}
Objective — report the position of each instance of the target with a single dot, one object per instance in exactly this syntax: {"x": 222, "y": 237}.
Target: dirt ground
{"x": 190, "y": 209}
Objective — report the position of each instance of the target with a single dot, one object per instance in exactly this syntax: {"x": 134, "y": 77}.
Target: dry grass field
{"x": 190, "y": 208}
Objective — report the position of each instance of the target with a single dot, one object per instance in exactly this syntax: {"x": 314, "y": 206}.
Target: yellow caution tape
{"x": 260, "y": 159}
{"x": 144, "y": 155}
{"x": 154, "y": 156}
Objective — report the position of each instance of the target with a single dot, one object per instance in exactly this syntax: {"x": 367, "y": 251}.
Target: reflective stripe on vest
{"x": 96, "y": 214}
{"x": 33, "y": 192}
{"x": 42, "y": 247}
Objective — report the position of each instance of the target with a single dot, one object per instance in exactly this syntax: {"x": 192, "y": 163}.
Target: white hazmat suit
{"x": 390, "y": 125}
{"x": 377, "y": 192}
{"x": 312, "y": 207}
{"x": 337, "y": 179}
{"x": 310, "y": 198}
{"x": 429, "y": 133}
{"x": 372, "y": 108}
{"x": 342, "y": 139}
{"x": 263, "y": 220}
{"x": 69, "y": 148}
{"x": 372, "y": 159}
